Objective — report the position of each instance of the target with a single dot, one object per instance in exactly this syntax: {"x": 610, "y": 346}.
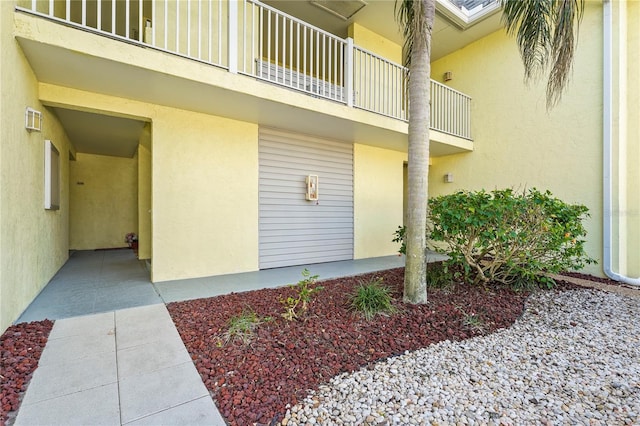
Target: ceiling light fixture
{"x": 343, "y": 9}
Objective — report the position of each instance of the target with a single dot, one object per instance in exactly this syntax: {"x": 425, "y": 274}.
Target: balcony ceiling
{"x": 378, "y": 16}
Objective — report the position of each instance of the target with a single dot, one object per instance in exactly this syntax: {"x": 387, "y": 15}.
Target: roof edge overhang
{"x": 460, "y": 18}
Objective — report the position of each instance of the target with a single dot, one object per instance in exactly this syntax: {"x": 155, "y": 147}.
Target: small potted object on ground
{"x": 132, "y": 239}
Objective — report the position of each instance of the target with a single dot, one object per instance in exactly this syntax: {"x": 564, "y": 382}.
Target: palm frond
{"x": 529, "y": 22}
{"x": 410, "y": 15}
{"x": 545, "y": 34}
{"x": 566, "y": 12}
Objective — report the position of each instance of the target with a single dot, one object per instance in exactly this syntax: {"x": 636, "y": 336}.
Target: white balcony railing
{"x": 249, "y": 37}
{"x": 287, "y": 51}
{"x": 379, "y": 84}
{"x": 450, "y": 111}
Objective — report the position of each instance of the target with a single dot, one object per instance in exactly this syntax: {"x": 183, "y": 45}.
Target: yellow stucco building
{"x": 197, "y": 125}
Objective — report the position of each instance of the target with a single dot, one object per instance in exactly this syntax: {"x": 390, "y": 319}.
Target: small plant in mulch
{"x": 473, "y": 322}
{"x": 372, "y": 298}
{"x": 242, "y": 328}
{"x": 296, "y": 306}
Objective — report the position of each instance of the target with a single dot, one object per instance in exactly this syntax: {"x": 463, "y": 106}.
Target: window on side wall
{"x": 51, "y": 176}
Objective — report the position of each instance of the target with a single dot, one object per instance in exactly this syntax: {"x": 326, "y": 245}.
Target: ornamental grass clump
{"x": 371, "y": 299}
{"x": 242, "y": 327}
{"x": 508, "y": 237}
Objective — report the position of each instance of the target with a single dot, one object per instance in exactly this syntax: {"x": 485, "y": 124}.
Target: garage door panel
{"x": 293, "y": 234}
{"x": 304, "y": 258}
{"x": 317, "y": 222}
{"x": 302, "y": 238}
{"x": 278, "y": 210}
{"x": 314, "y": 158}
{"x": 293, "y": 192}
{"x": 294, "y": 228}
{"x": 309, "y": 168}
{"x": 294, "y": 231}
{"x": 289, "y": 250}
{"x": 332, "y": 175}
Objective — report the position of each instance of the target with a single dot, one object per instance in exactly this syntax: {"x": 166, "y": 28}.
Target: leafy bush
{"x": 372, "y": 298}
{"x": 297, "y": 306}
{"x": 507, "y": 237}
{"x": 439, "y": 275}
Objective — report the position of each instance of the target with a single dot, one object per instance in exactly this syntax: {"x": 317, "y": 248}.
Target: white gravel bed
{"x": 573, "y": 358}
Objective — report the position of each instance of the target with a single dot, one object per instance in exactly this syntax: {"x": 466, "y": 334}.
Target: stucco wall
{"x": 204, "y": 191}
{"x": 517, "y": 142}
{"x": 33, "y": 241}
{"x": 104, "y": 201}
{"x": 378, "y": 194}
{"x": 205, "y": 195}
{"x": 144, "y": 195}
{"x": 367, "y": 39}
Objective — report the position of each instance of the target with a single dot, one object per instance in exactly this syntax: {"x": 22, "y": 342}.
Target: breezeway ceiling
{"x": 100, "y": 134}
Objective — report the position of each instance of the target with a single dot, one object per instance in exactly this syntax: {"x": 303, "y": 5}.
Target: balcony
{"x": 250, "y": 38}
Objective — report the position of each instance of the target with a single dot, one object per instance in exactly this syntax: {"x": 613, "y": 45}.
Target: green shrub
{"x": 297, "y": 306}
{"x": 242, "y": 327}
{"x": 400, "y": 238}
{"x": 439, "y": 275}
{"x": 372, "y": 298}
{"x": 507, "y": 237}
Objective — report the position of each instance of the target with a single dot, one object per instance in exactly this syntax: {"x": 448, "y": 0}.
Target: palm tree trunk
{"x": 415, "y": 279}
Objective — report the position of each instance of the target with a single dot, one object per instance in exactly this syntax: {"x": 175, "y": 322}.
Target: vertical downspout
{"x": 607, "y": 126}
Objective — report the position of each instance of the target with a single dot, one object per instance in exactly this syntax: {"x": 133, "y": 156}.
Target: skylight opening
{"x": 471, "y": 7}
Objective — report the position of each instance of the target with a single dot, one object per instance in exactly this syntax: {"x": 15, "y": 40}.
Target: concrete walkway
{"x": 114, "y": 356}
{"x": 127, "y": 367}
{"x": 93, "y": 282}
{"x": 108, "y": 280}
{"x": 197, "y": 288}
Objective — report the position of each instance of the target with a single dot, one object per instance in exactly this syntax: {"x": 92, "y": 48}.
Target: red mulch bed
{"x": 254, "y": 384}
{"x": 20, "y": 347}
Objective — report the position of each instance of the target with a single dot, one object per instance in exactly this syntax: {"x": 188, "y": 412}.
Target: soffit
{"x": 100, "y": 134}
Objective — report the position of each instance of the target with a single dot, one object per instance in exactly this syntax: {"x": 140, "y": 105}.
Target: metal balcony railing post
{"x": 233, "y": 37}
{"x": 348, "y": 83}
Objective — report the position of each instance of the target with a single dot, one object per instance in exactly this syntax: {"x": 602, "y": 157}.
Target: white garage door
{"x": 294, "y": 231}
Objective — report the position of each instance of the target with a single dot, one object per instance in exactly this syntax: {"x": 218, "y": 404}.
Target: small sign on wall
{"x": 312, "y": 187}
